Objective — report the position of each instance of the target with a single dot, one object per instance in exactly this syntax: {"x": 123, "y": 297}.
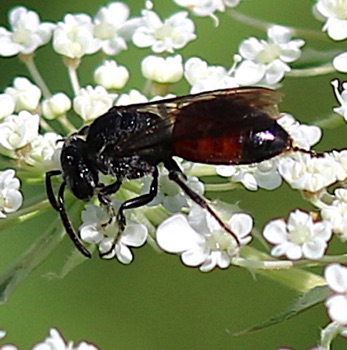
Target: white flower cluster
{"x": 259, "y": 62}
{"x": 334, "y": 13}
{"x": 19, "y": 133}
{"x": 300, "y": 237}
{"x": 28, "y": 106}
{"x": 27, "y": 33}
{"x": 266, "y": 62}
{"x": 207, "y": 7}
{"x": 201, "y": 241}
{"x": 55, "y": 342}
{"x": 94, "y": 231}
{"x": 11, "y": 198}
{"x": 336, "y": 278}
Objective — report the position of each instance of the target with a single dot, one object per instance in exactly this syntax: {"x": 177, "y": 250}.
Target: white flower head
{"x": 111, "y": 76}
{"x": 162, "y": 70}
{"x": 310, "y": 173}
{"x": 303, "y": 136}
{"x": 91, "y": 102}
{"x": 74, "y": 37}
{"x": 25, "y": 94}
{"x": 56, "y": 342}
{"x": 203, "y": 77}
{"x": 11, "y": 198}
{"x": 56, "y": 106}
{"x": 341, "y": 98}
{"x": 7, "y": 104}
{"x": 261, "y": 175}
{"x": 45, "y": 152}
{"x": 336, "y": 213}
{"x": 200, "y": 240}
{"x": 17, "y": 131}
{"x": 170, "y": 195}
{"x": 340, "y": 62}
{"x": 26, "y": 35}
{"x": 298, "y": 238}
{"x": 334, "y": 12}
{"x": 93, "y": 230}
{"x": 112, "y": 27}
{"x": 168, "y": 36}
{"x": 206, "y": 7}
{"x": 266, "y": 62}
{"x": 340, "y": 158}
{"x": 336, "y": 277}
{"x": 134, "y": 96}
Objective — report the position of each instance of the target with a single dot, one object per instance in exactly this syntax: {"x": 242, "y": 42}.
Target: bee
{"x": 229, "y": 126}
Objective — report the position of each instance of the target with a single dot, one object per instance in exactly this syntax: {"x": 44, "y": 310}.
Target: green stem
{"x": 72, "y": 66}
{"x": 279, "y": 271}
{"x": 311, "y": 72}
{"x": 29, "y": 260}
{"x": 66, "y": 124}
{"x": 331, "y": 122}
{"x": 220, "y": 187}
{"x": 28, "y": 60}
{"x": 263, "y": 25}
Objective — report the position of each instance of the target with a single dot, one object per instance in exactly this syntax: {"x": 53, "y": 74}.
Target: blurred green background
{"x": 156, "y": 302}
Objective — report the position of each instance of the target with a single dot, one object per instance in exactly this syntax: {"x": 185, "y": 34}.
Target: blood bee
{"x": 229, "y": 126}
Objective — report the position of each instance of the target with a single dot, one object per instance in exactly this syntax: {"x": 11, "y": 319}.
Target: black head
{"x": 78, "y": 171}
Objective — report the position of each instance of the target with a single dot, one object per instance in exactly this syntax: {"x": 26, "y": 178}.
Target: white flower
{"x": 11, "y": 198}
{"x": 112, "y": 27}
{"x": 341, "y": 98}
{"x": 171, "y": 35}
{"x": 300, "y": 237}
{"x": 74, "y": 37}
{"x": 162, "y": 70}
{"x": 335, "y": 14}
{"x": 170, "y": 195}
{"x": 200, "y": 240}
{"x": 93, "y": 230}
{"x": 304, "y": 136}
{"x": 134, "y": 96}
{"x": 340, "y": 62}
{"x": 263, "y": 174}
{"x": 305, "y": 172}
{"x": 91, "y": 102}
{"x": 27, "y": 33}
{"x": 204, "y": 78}
{"x": 56, "y": 106}
{"x": 336, "y": 277}
{"x": 336, "y": 213}
{"x": 45, "y": 151}
{"x": 267, "y": 61}
{"x": 17, "y": 131}
{"x": 340, "y": 158}
{"x": 206, "y": 7}
{"x": 111, "y": 76}
{"x": 7, "y": 104}
{"x": 25, "y": 94}
{"x": 56, "y": 342}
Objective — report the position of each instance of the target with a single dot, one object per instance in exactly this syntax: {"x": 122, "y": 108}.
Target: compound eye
{"x": 78, "y": 171}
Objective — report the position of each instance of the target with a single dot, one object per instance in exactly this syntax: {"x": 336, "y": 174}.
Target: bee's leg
{"x": 176, "y": 175}
{"x": 59, "y": 206}
{"x": 104, "y": 199}
{"x": 134, "y": 203}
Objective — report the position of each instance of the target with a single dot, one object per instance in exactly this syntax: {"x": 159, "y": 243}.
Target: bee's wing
{"x": 207, "y": 114}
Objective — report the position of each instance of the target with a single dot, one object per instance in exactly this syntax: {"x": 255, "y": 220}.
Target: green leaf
{"x": 303, "y": 303}
{"x": 74, "y": 260}
{"x": 29, "y": 260}
{"x": 313, "y": 58}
